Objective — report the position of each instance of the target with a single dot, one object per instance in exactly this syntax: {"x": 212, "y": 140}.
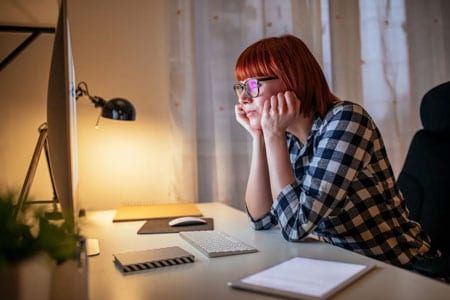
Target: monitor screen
{"x": 62, "y": 119}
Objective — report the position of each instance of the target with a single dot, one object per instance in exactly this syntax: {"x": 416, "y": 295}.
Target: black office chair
{"x": 425, "y": 178}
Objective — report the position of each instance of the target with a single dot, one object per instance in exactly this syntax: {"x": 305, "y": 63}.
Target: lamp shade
{"x": 119, "y": 109}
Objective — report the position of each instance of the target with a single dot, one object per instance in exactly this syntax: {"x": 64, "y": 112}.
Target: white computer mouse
{"x": 185, "y": 221}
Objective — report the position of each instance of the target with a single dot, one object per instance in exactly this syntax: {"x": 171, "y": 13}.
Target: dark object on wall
{"x": 35, "y": 32}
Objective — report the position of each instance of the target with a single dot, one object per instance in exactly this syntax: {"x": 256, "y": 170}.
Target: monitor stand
{"x": 42, "y": 144}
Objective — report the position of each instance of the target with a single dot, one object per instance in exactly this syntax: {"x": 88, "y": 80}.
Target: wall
{"x": 120, "y": 51}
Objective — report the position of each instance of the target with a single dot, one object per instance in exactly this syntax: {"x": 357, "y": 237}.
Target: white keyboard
{"x": 215, "y": 243}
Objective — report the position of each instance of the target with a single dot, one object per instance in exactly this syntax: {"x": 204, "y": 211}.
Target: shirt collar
{"x": 314, "y": 129}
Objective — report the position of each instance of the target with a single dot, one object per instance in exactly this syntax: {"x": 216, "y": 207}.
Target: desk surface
{"x": 207, "y": 278}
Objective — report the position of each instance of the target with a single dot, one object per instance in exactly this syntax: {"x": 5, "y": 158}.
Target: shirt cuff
{"x": 263, "y": 223}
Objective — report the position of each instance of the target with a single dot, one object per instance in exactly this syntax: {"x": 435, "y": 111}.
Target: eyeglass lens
{"x": 251, "y": 88}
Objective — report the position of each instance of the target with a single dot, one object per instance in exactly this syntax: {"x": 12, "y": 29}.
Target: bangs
{"x": 253, "y": 63}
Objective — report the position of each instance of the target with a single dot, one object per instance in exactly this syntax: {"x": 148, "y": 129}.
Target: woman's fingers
{"x": 279, "y": 111}
{"x": 239, "y": 112}
{"x": 274, "y": 105}
{"x": 281, "y": 102}
{"x": 266, "y": 108}
{"x": 241, "y": 117}
{"x": 292, "y": 103}
{"x": 238, "y": 109}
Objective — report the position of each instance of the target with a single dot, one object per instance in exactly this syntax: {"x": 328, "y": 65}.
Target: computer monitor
{"x": 62, "y": 120}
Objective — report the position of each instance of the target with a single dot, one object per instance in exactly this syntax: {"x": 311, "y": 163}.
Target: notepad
{"x": 155, "y": 211}
{"x": 136, "y": 261}
{"x": 303, "y": 278}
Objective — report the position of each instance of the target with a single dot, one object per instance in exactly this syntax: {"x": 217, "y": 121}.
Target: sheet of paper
{"x": 305, "y": 276}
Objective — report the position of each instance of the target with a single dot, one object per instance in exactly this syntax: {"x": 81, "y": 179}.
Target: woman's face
{"x": 252, "y": 95}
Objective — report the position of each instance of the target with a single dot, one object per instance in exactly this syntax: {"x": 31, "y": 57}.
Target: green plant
{"x": 30, "y": 231}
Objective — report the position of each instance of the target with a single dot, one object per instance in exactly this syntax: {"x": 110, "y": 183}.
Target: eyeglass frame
{"x": 244, "y": 84}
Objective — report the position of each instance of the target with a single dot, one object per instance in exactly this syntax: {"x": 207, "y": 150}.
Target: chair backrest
{"x": 425, "y": 177}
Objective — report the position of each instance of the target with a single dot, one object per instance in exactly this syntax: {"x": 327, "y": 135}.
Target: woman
{"x": 319, "y": 165}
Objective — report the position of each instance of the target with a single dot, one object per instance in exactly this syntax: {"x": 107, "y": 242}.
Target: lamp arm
{"x": 82, "y": 90}
{"x": 98, "y": 101}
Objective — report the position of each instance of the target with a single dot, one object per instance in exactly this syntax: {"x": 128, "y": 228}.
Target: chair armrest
{"x": 438, "y": 267}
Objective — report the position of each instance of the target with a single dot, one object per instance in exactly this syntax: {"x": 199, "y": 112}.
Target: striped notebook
{"x": 150, "y": 259}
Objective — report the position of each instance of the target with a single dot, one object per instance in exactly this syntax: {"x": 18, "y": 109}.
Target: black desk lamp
{"x": 116, "y": 108}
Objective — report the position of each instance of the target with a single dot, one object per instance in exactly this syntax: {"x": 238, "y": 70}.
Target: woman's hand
{"x": 279, "y": 112}
{"x": 242, "y": 119}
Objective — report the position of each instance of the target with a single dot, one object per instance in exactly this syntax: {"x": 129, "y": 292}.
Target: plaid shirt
{"x": 345, "y": 192}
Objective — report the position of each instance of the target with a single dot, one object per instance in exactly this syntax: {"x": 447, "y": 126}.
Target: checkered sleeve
{"x": 264, "y": 223}
{"x": 340, "y": 150}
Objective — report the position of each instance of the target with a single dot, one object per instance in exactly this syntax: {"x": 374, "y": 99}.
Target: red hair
{"x": 288, "y": 59}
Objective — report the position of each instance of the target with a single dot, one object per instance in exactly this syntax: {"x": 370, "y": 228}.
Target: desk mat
{"x": 162, "y": 226}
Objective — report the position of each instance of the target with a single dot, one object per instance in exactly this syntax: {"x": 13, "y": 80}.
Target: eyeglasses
{"x": 250, "y": 86}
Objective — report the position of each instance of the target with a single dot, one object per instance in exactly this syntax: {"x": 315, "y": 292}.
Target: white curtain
{"x": 382, "y": 54}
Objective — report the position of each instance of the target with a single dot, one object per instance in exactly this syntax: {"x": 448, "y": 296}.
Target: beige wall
{"x": 120, "y": 50}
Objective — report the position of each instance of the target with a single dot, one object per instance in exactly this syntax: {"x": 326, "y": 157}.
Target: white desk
{"x": 207, "y": 278}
